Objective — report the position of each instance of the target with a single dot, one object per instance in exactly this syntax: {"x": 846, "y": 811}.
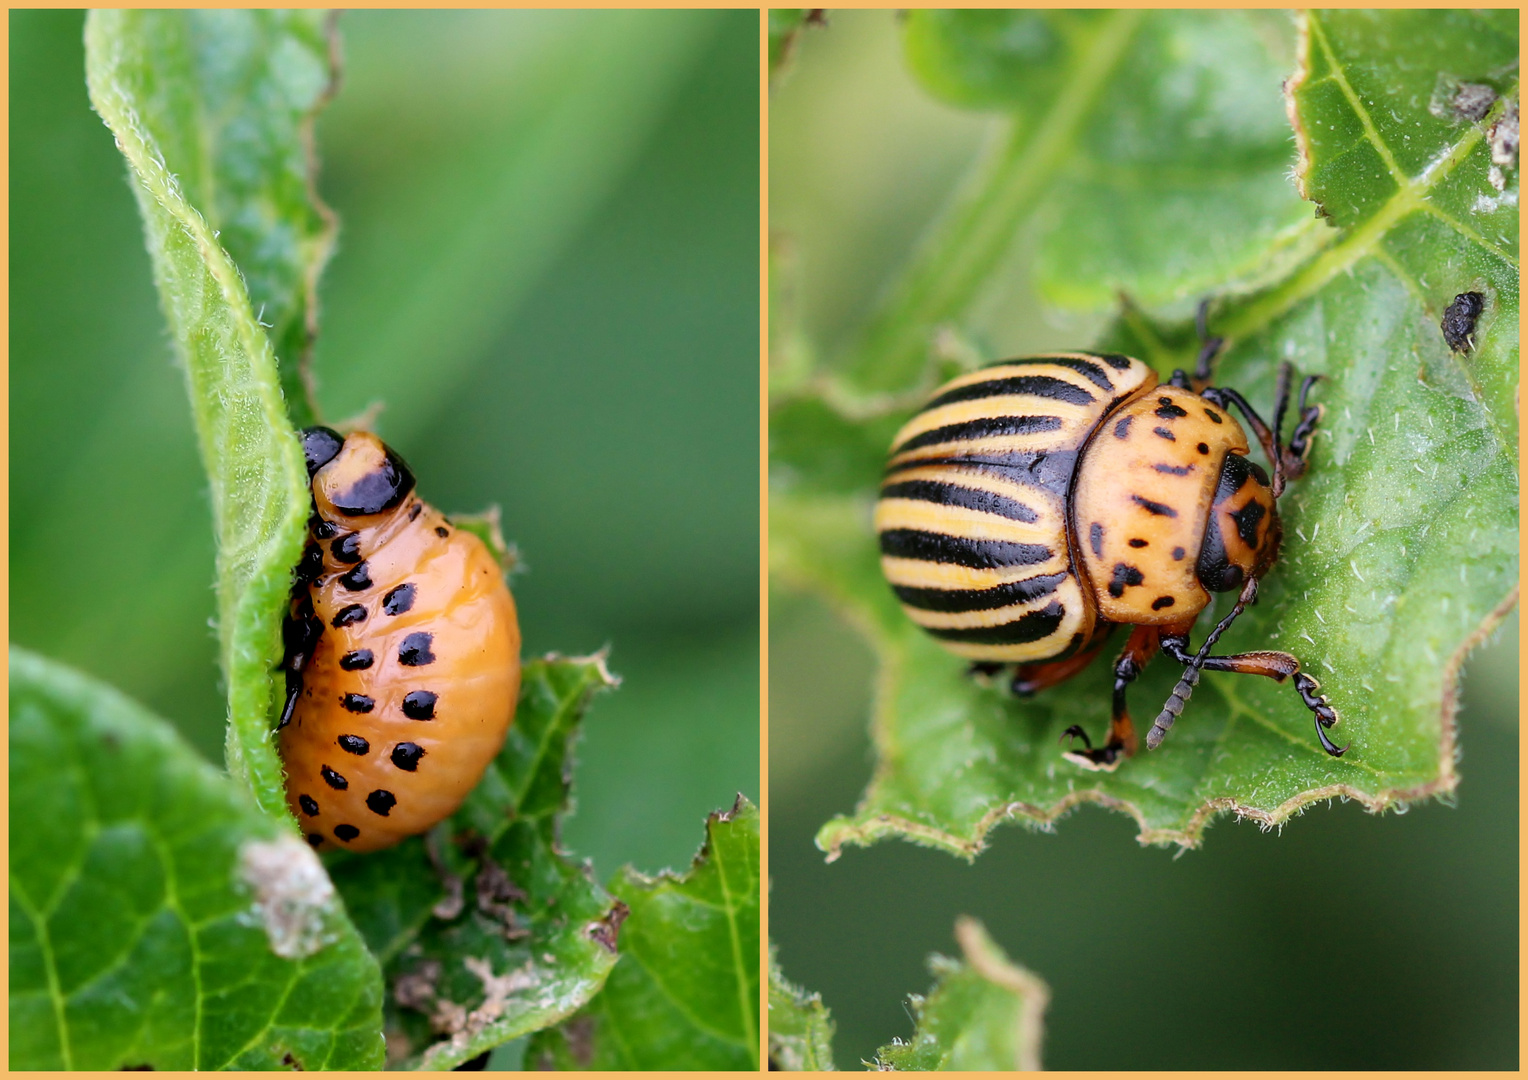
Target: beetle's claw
{"x": 1076, "y": 732}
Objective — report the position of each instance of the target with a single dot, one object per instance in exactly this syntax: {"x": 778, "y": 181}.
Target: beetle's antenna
{"x": 1185, "y": 688}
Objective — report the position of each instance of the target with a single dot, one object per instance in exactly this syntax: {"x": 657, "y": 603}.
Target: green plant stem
{"x": 950, "y": 268}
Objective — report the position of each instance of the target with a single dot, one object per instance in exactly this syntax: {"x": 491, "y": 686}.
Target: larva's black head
{"x": 362, "y": 478}
{"x": 319, "y": 446}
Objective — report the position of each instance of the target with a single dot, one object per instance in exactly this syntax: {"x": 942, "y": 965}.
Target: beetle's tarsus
{"x": 1076, "y": 732}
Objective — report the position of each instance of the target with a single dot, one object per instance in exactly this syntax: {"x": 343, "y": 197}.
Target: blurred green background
{"x": 547, "y": 270}
{"x": 1344, "y": 941}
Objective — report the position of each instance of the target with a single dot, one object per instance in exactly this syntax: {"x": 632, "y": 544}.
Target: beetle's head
{"x": 1242, "y": 538}
{"x": 354, "y": 477}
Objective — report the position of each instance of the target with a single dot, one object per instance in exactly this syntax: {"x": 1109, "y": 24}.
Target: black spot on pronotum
{"x": 1247, "y": 520}
{"x": 380, "y": 802}
{"x": 1096, "y": 539}
{"x": 1214, "y": 416}
{"x": 346, "y": 832}
{"x": 333, "y": 779}
{"x": 1159, "y": 509}
{"x": 319, "y": 447}
{"x": 357, "y": 703}
{"x": 1178, "y": 553}
{"x": 1136, "y": 541}
{"x": 359, "y": 660}
{"x": 1162, "y": 602}
{"x": 358, "y": 579}
{"x": 348, "y": 616}
{"x": 309, "y": 805}
{"x": 1173, "y": 470}
{"x": 347, "y": 549}
{"x": 353, "y": 744}
{"x": 406, "y": 756}
{"x": 442, "y": 531}
{"x": 415, "y": 650}
{"x": 1164, "y": 433}
{"x": 419, "y": 705}
{"x": 1204, "y": 448}
{"x": 399, "y": 599}
{"x": 1168, "y": 411}
{"x": 1122, "y": 429}
{"x": 1124, "y": 575}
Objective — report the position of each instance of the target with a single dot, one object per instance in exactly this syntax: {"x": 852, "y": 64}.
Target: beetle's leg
{"x": 1209, "y": 347}
{"x": 1277, "y": 666}
{"x": 986, "y": 668}
{"x": 1032, "y": 678}
{"x": 1136, "y": 654}
{"x": 1299, "y": 442}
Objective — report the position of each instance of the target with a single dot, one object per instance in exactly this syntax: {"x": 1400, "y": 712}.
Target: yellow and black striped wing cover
{"x": 973, "y": 509}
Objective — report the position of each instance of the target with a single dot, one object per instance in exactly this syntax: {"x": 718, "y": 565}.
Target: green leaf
{"x": 800, "y": 1027}
{"x": 486, "y": 930}
{"x": 984, "y": 1013}
{"x": 210, "y": 111}
{"x": 1148, "y": 151}
{"x": 157, "y": 918}
{"x": 1400, "y": 545}
{"x": 686, "y": 994}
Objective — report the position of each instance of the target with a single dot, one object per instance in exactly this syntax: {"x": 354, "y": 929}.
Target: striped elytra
{"x": 1033, "y": 505}
{"x": 402, "y": 654}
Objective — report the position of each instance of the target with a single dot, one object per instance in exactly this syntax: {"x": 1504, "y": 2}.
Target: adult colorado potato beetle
{"x": 402, "y": 654}
{"x": 1035, "y": 504}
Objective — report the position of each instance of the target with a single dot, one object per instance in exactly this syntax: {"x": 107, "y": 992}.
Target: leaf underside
{"x": 138, "y": 939}
{"x": 686, "y": 992}
{"x": 486, "y": 930}
{"x": 1400, "y": 544}
{"x": 213, "y": 112}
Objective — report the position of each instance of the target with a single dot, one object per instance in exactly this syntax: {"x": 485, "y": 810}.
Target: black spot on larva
{"x": 1159, "y": 509}
{"x": 406, "y": 756}
{"x": 1122, "y": 429}
{"x": 442, "y": 531}
{"x": 321, "y": 529}
{"x": 415, "y": 510}
{"x": 315, "y": 838}
{"x": 1164, "y": 433}
{"x": 380, "y": 802}
{"x": 311, "y": 564}
{"x": 1178, "y": 553}
{"x": 1173, "y": 470}
{"x": 419, "y": 705}
{"x": 309, "y": 805}
{"x": 381, "y": 489}
{"x": 1167, "y": 410}
{"x": 333, "y": 779}
{"x": 398, "y": 600}
{"x": 1136, "y": 541}
{"x": 346, "y": 832}
{"x": 353, "y": 744}
{"x": 359, "y": 660}
{"x": 347, "y": 549}
{"x": 1204, "y": 448}
{"x": 415, "y": 650}
{"x": 1096, "y": 539}
{"x": 1124, "y": 574}
{"x": 1213, "y": 415}
{"x": 348, "y": 616}
{"x": 357, "y": 703}
{"x": 1161, "y": 602}
{"x": 358, "y": 579}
